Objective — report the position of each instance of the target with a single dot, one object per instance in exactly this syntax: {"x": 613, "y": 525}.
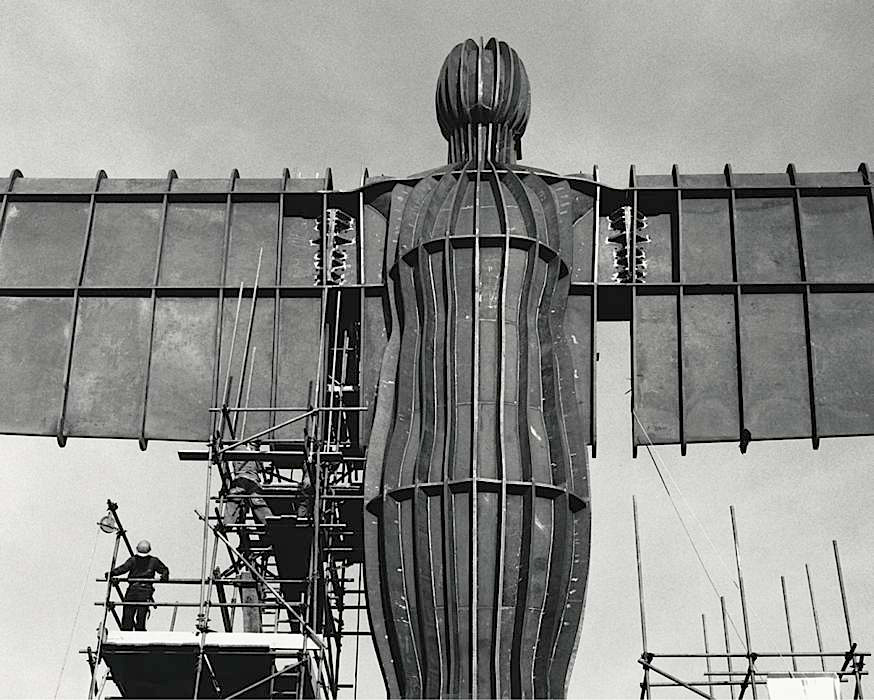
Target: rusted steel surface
{"x": 477, "y": 478}
{"x": 110, "y": 291}
{"x": 476, "y": 486}
{"x": 764, "y": 324}
{"x": 465, "y": 300}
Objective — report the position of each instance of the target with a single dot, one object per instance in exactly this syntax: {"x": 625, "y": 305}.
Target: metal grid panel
{"x": 765, "y": 330}
{"x": 143, "y": 270}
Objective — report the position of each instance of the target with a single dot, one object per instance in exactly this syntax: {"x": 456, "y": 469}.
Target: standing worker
{"x": 140, "y": 566}
{"x": 246, "y": 487}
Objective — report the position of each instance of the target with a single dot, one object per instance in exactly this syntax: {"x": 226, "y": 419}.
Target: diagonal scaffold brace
{"x": 310, "y": 632}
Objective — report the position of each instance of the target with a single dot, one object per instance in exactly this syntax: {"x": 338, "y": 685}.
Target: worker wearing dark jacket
{"x": 140, "y": 566}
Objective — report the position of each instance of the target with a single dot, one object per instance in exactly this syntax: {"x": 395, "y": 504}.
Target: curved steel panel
{"x": 476, "y": 482}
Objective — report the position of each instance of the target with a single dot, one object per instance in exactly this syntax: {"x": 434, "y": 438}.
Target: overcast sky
{"x": 137, "y": 89}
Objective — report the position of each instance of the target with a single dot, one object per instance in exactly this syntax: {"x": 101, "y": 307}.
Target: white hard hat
{"x": 143, "y": 547}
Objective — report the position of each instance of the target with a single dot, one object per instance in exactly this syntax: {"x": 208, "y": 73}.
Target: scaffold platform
{"x": 160, "y": 664}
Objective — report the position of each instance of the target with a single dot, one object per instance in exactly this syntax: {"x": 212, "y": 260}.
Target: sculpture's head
{"x": 483, "y": 101}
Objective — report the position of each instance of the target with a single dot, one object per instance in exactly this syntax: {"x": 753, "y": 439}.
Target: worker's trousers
{"x": 235, "y": 509}
{"x": 134, "y": 616}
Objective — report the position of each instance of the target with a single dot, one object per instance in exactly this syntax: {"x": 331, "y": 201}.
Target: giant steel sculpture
{"x": 467, "y": 299}
{"x": 477, "y": 531}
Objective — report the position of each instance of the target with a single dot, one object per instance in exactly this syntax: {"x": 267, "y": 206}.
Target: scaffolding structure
{"x": 296, "y": 577}
{"x": 743, "y": 674}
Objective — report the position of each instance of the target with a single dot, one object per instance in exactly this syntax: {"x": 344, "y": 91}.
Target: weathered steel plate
{"x": 108, "y": 372}
{"x": 123, "y": 247}
{"x": 842, "y": 335}
{"x": 41, "y": 243}
{"x": 781, "y": 346}
{"x": 34, "y": 336}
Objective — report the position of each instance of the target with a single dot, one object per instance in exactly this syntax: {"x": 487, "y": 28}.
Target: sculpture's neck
{"x": 480, "y": 142}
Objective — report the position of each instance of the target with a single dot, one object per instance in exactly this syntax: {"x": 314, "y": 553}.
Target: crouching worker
{"x": 140, "y": 566}
{"x": 245, "y": 490}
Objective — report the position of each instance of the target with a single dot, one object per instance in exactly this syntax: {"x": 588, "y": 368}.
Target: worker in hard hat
{"x": 141, "y": 569}
{"x": 246, "y": 489}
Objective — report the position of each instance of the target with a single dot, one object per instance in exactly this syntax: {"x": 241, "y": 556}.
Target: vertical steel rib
{"x": 68, "y": 365}
{"x": 632, "y": 183}
{"x": 454, "y": 660}
{"x": 277, "y": 277}
{"x": 379, "y": 609}
{"x": 399, "y": 557}
{"x": 501, "y": 398}
{"x": 738, "y": 325}
{"x": 536, "y": 594}
{"x": 220, "y": 306}
{"x": 677, "y": 276}
{"x": 550, "y": 338}
{"x": 593, "y": 375}
{"x": 162, "y": 226}
{"x": 474, "y": 413}
{"x": 802, "y": 265}
{"x": 423, "y": 539}
{"x": 518, "y": 654}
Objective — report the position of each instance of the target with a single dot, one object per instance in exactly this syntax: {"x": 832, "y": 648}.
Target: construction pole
{"x": 751, "y": 673}
{"x": 202, "y": 622}
{"x": 815, "y": 617}
{"x": 843, "y": 592}
{"x": 788, "y": 623}
{"x": 309, "y": 632}
{"x": 645, "y": 655}
{"x": 92, "y": 687}
{"x": 230, "y": 359}
{"x": 248, "y": 338}
{"x": 858, "y": 693}
{"x": 707, "y": 651}
{"x": 727, "y": 643}
{"x": 113, "y": 508}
